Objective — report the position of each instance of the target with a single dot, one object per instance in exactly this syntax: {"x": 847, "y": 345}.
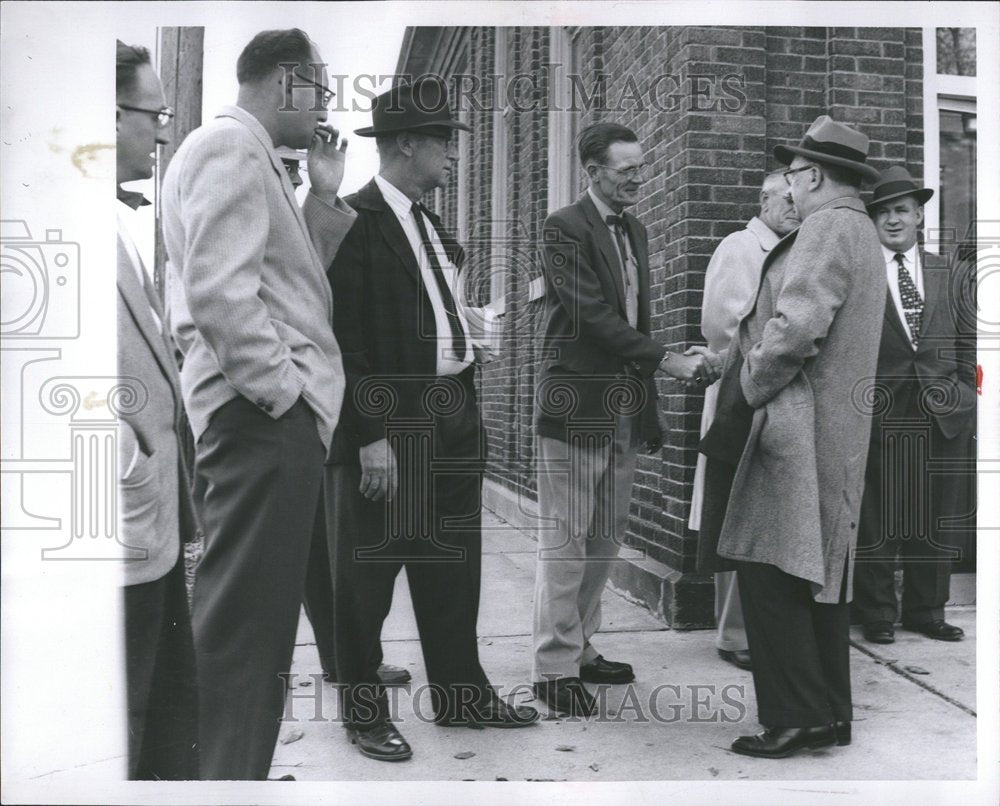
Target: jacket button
{"x": 853, "y": 524}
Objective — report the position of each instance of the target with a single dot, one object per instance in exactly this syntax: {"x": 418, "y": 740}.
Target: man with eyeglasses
{"x": 156, "y": 514}
{"x": 404, "y": 475}
{"x": 596, "y": 407}
{"x": 786, "y": 451}
{"x": 251, "y": 309}
{"x": 731, "y": 281}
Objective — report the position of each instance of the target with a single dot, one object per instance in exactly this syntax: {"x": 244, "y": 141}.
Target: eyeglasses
{"x": 328, "y": 94}
{"x": 629, "y": 172}
{"x": 163, "y": 116}
{"x": 788, "y": 174}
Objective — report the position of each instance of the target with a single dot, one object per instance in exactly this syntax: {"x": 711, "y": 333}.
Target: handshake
{"x": 697, "y": 368}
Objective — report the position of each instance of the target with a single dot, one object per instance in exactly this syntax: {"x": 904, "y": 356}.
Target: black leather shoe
{"x": 843, "y": 733}
{"x": 600, "y": 670}
{"x": 382, "y": 742}
{"x": 495, "y": 714}
{"x": 387, "y": 675}
{"x": 939, "y": 630}
{"x": 878, "y": 632}
{"x": 737, "y": 657}
{"x": 393, "y": 675}
{"x": 784, "y": 742}
{"x": 567, "y": 696}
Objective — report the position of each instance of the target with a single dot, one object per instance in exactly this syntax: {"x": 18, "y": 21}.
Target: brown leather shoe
{"x": 495, "y": 714}
{"x": 878, "y": 632}
{"x": 738, "y": 657}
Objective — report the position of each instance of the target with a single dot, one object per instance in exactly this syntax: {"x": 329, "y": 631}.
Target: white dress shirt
{"x": 911, "y": 259}
{"x": 401, "y": 205}
{"x": 630, "y": 280}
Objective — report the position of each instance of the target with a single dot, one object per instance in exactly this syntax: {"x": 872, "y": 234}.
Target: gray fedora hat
{"x": 834, "y": 143}
{"x": 894, "y": 183}
{"x": 408, "y": 107}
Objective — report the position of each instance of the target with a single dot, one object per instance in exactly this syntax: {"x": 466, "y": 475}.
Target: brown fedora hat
{"x": 832, "y": 142}
{"x": 894, "y": 183}
{"x": 406, "y": 107}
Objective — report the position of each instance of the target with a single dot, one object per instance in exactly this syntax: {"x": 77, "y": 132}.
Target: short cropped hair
{"x": 269, "y": 49}
{"x": 594, "y": 141}
{"x": 128, "y": 60}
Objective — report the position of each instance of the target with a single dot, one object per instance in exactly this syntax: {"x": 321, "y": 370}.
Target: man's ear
{"x": 920, "y": 215}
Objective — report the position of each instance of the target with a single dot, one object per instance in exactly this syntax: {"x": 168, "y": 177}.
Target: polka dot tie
{"x": 913, "y": 305}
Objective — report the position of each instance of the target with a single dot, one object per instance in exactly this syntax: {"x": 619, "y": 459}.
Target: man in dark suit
{"x": 155, "y": 505}
{"x": 404, "y": 473}
{"x": 250, "y": 308}
{"x": 925, "y": 412}
{"x": 595, "y": 408}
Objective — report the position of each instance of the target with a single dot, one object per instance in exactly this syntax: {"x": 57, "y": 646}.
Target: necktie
{"x": 617, "y": 223}
{"x": 913, "y": 306}
{"x": 451, "y": 312}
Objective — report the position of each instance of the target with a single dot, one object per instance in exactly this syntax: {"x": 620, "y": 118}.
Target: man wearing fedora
{"x": 926, "y": 411}
{"x": 786, "y": 451}
{"x": 404, "y": 473}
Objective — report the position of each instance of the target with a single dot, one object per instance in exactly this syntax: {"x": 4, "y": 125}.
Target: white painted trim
{"x": 498, "y": 213}
{"x": 560, "y": 120}
{"x": 932, "y": 141}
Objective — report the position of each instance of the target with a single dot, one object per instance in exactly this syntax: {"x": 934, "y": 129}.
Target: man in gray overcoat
{"x": 788, "y": 447}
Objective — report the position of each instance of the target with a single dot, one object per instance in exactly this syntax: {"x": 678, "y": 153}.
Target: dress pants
{"x": 899, "y": 514}
{"x": 800, "y": 649}
{"x": 160, "y": 674}
{"x": 584, "y": 493}
{"x": 257, "y": 482}
{"x": 432, "y": 529}
{"x": 730, "y": 634}
{"x": 319, "y": 597}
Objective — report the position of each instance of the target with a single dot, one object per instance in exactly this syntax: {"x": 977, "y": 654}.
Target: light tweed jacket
{"x": 249, "y": 303}
{"x": 811, "y": 343}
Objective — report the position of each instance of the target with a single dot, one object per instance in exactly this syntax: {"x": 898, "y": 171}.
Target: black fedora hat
{"x": 406, "y": 107}
{"x": 894, "y": 183}
{"x": 832, "y": 142}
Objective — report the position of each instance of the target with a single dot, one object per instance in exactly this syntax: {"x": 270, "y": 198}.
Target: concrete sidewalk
{"x": 914, "y": 703}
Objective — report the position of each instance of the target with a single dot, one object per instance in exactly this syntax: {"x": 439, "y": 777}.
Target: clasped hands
{"x": 697, "y": 368}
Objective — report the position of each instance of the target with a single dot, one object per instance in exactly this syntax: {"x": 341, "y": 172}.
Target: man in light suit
{"x": 404, "y": 475}
{"x": 155, "y": 505}
{"x": 262, "y": 377}
{"x": 788, "y": 445}
{"x": 595, "y": 408}
{"x": 928, "y": 385}
{"x": 731, "y": 282}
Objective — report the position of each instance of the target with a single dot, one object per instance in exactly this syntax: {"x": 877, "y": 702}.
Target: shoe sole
{"x": 936, "y": 637}
{"x": 787, "y": 753}
{"x": 376, "y": 756}
{"x": 598, "y": 681}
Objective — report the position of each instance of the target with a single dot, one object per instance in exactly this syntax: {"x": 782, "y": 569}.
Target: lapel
{"x": 608, "y": 250}
{"x": 936, "y": 280}
{"x": 138, "y": 303}
{"x": 260, "y": 133}
{"x": 452, "y": 248}
{"x": 370, "y": 198}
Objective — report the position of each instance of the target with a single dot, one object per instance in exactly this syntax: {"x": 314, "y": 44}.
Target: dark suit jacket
{"x": 938, "y": 379}
{"x": 592, "y": 357}
{"x": 384, "y": 323}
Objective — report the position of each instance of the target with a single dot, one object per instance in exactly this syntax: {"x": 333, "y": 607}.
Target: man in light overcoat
{"x": 787, "y": 449}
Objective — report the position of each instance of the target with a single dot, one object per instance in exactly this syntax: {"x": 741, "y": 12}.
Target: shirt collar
{"x": 602, "y": 209}
{"x": 132, "y": 198}
{"x": 909, "y": 256}
{"x": 399, "y": 202}
{"x": 767, "y": 237}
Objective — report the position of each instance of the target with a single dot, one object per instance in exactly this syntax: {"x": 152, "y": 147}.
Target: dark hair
{"x": 268, "y": 49}
{"x": 593, "y": 141}
{"x": 841, "y": 175}
{"x": 128, "y": 60}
